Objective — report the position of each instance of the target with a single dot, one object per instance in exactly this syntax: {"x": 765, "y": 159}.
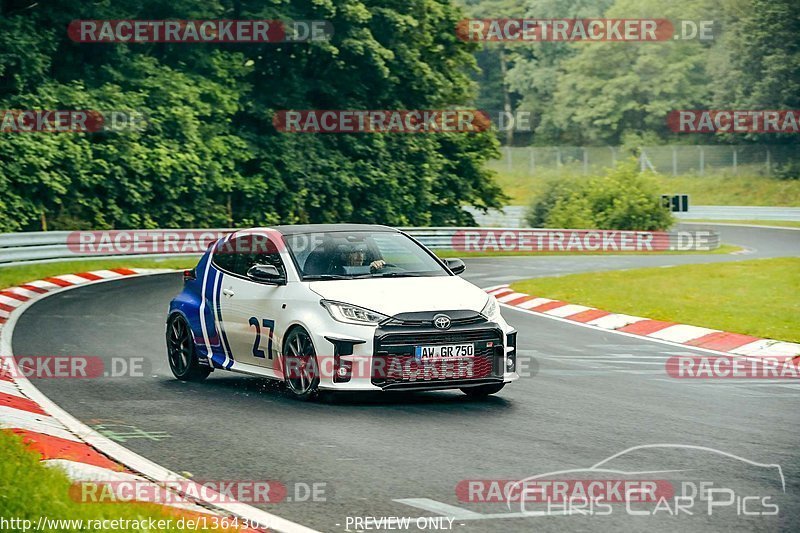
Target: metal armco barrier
{"x": 513, "y": 216}
{"x": 64, "y": 245}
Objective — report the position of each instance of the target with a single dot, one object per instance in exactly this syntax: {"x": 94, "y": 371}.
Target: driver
{"x": 354, "y": 256}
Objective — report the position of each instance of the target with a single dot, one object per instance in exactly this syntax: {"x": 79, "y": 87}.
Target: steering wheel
{"x": 371, "y": 269}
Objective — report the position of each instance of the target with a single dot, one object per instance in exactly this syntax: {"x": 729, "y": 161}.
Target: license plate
{"x": 446, "y": 351}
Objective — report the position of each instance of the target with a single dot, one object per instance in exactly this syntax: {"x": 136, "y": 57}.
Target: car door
{"x": 251, "y": 309}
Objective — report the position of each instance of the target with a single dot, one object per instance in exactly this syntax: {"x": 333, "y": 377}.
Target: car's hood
{"x": 391, "y": 296}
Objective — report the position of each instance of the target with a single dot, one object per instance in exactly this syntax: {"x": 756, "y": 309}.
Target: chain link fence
{"x": 670, "y": 160}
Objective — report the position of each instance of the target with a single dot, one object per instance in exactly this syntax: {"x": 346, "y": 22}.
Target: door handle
{"x": 228, "y": 292}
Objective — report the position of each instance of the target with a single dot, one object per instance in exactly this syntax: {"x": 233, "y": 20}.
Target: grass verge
{"x": 31, "y": 490}
{"x": 723, "y": 249}
{"x": 19, "y": 274}
{"x": 756, "y": 297}
{"x": 522, "y": 187}
{"x": 16, "y": 275}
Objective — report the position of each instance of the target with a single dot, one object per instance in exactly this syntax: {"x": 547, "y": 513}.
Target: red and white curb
{"x": 672, "y": 332}
{"x": 64, "y": 442}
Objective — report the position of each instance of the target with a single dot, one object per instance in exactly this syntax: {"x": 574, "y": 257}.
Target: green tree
{"x": 758, "y": 64}
{"x": 495, "y": 60}
{"x": 610, "y": 89}
{"x": 537, "y": 65}
{"x": 209, "y": 154}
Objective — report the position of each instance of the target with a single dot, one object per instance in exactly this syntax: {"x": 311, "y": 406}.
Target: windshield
{"x": 360, "y": 254}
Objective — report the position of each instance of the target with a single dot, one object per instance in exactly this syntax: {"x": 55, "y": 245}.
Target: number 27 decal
{"x": 270, "y": 325}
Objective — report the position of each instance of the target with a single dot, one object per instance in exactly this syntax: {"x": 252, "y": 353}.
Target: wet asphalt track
{"x": 594, "y": 394}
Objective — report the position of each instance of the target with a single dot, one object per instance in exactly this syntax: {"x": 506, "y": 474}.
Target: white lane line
{"x": 458, "y": 513}
{"x": 615, "y": 321}
{"x": 567, "y": 310}
{"x": 536, "y": 302}
{"x": 681, "y": 333}
{"x": 7, "y": 387}
{"x": 495, "y": 288}
{"x": 426, "y": 504}
{"x": 72, "y": 278}
{"x": 19, "y": 419}
{"x": 753, "y": 348}
{"x": 8, "y": 300}
{"x": 106, "y": 274}
{"x": 768, "y": 347}
{"x": 512, "y": 296}
{"x": 604, "y": 357}
{"x": 644, "y": 347}
{"x": 27, "y": 293}
{"x": 737, "y": 382}
{"x": 629, "y": 362}
{"x": 41, "y": 284}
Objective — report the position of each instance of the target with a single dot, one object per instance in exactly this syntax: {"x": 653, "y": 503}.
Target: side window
{"x": 238, "y": 255}
{"x": 223, "y": 258}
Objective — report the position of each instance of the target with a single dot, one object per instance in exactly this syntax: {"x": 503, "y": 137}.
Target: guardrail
{"x": 513, "y": 216}
{"x": 35, "y": 247}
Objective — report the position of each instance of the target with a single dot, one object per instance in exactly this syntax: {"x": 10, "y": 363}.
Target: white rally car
{"x": 338, "y": 307}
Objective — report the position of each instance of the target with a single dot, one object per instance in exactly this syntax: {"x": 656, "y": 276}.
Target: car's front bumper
{"x": 373, "y": 365}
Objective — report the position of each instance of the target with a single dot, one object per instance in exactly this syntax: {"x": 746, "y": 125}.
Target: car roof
{"x": 324, "y": 228}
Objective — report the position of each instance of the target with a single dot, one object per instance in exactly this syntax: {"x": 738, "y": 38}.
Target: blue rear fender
{"x": 189, "y": 303}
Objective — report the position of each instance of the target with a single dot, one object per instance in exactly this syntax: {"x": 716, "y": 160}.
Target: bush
{"x": 787, "y": 171}
{"x": 621, "y": 199}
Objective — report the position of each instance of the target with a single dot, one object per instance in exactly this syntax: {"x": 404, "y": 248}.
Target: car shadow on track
{"x": 276, "y": 392}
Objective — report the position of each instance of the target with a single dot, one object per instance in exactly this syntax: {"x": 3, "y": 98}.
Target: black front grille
{"x": 439, "y": 337}
{"x": 394, "y": 351}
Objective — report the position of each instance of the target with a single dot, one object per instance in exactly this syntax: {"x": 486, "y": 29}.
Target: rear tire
{"x": 301, "y": 370}
{"x": 482, "y": 391}
{"x": 181, "y": 351}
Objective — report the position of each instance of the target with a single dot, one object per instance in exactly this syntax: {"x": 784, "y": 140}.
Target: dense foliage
{"x": 621, "y": 199}
{"x": 209, "y": 155}
{"x": 600, "y": 93}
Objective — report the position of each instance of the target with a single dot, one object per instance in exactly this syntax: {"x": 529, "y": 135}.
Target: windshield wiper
{"x": 392, "y": 275}
{"x": 317, "y": 277}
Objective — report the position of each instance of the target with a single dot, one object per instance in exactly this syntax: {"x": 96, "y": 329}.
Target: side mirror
{"x": 265, "y": 273}
{"x": 456, "y": 266}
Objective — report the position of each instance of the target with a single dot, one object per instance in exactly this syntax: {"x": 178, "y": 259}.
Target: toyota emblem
{"x": 441, "y": 322}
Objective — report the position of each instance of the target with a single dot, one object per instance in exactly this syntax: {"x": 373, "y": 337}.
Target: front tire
{"x": 482, "y": 391}
{"x": 181, "y": 351}
{"x": 301, "y": 369}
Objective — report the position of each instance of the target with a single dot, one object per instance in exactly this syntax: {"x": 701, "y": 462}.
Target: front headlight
{"x": 351, "y": 314}
{"x": 491, "y": 310}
